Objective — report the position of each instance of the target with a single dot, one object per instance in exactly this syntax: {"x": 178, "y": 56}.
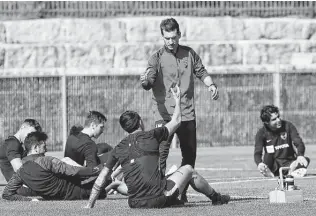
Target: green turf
{"x": 237, "y": 176}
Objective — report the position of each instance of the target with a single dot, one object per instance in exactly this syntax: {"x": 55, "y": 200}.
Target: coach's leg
{"x": 187, "y": 137}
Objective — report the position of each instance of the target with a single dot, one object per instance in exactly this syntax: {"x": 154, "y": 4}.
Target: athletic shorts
{"x": 159, "y": 201}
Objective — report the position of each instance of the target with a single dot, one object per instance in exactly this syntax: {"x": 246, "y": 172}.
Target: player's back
{"x": 37, "y": 174}
{"x": 139, "y": 157}
{"x": 79, "y": 145}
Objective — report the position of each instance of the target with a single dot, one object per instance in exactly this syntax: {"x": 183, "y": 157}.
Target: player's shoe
{"x": 172, "y": 169}
{"x": 219, "y": 199}
{"x": 184, "y": 198}
{"x": 301, "y": 172}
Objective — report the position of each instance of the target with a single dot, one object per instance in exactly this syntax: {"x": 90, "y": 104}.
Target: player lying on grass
{"x": 138, "y": 154}
{"x": 282, "y": 145}
{"x": 49, "y": 177}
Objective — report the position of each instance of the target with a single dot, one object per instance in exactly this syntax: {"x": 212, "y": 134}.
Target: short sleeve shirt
{"x": 138, "y": 155}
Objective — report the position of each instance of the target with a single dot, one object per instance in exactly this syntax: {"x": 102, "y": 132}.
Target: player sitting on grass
{"x": 282, "y": 145}
{"x": 81, "y": 148}
{"x": 49, "y": 177}
{"x": 12, "y": 151}
{"x": 138, "y": 154}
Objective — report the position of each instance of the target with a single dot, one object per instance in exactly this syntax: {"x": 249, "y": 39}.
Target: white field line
{"x": 230, "y": 169}
{"x": 232, "y": 197}
{"x": 237, "y": 198}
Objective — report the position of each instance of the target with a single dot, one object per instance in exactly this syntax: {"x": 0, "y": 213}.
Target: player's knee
{"x": 189, "y": 168}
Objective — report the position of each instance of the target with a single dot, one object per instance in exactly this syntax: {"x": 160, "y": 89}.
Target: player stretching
{"x": 138, "y": 155}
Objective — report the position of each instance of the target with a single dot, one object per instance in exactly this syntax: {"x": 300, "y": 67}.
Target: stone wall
{"x": 121, "y": 46}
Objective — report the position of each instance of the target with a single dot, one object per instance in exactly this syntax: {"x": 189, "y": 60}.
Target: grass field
{"x": 228, "y": 169}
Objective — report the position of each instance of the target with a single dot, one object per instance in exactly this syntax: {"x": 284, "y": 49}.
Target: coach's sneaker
{"x": 219, "y": 199}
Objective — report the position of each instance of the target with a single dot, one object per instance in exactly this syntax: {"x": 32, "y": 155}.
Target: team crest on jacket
{"x": 283, "y": 135}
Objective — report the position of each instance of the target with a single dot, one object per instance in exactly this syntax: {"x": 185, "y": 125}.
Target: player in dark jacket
{"x": 138, "y": 154}
{"x": 81, "y": 148}
{"x": 12, "y": 151}
{"x": 49, "y": 177}
{"x": 281, "y": 143}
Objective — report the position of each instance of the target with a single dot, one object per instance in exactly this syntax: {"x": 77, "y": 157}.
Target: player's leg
{"x": 177, "y": 182}
{"x": 119, "y": 186}
{"x": 297, "y": 169}
{"x": 199, "y": 184}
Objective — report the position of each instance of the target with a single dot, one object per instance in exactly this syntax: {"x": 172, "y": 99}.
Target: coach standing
{"x": 172, "y": 65}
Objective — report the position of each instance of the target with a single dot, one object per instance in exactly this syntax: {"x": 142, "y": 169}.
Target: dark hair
{"x": 169, "y": 25}
{"x": 33, "y": 123}
{"x": 266, "y": 112}
{"x": 75, "y": 130}
{"x": 33, "y": 139}
{"x": 95, "y": 117}
{"x": 129, "y": 121}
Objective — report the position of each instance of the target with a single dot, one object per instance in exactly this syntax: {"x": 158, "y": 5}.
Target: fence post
{"x": 64, "y": 108}
{"x": 277, "y": 87}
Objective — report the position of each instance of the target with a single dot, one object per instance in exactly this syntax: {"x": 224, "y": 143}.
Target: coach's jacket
{"x": 166, "y": 69}
{"x": 48, "y": 177}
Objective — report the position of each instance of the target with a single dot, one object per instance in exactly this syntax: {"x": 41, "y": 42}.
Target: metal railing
{"x": 99, "y": 9}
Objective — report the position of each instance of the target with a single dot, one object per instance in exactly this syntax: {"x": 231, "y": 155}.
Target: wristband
{"x": 213, "y": 85}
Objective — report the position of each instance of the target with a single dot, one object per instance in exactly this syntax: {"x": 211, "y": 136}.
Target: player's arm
{"x": 258, "y": 148}
{"x": 98, "y": 185}
{"x": 148, "y": 78}
{"x": 14, "y": 155}
{"x": 298, "y": 142}
{"x": 100, "y": 181}
{"x": 90, "y": 153}
{"x": 176, "y": 116}
{"x": 61, "y": 168}
{"x": 10, "y": 190}
{"x": 201, "y": 73}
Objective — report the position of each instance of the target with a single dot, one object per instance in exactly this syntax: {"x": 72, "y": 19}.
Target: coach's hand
{"x": 302, "y": 160}
{"x": 213, "y": 89}
{"x": 143, "y": 79}
{"x": 262, "y": 167}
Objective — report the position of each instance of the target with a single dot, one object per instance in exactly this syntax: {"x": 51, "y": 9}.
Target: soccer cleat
{"x": 184, "y": 198}
{"x": 219, "y": 199}
{"x": 301, "y": 172}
